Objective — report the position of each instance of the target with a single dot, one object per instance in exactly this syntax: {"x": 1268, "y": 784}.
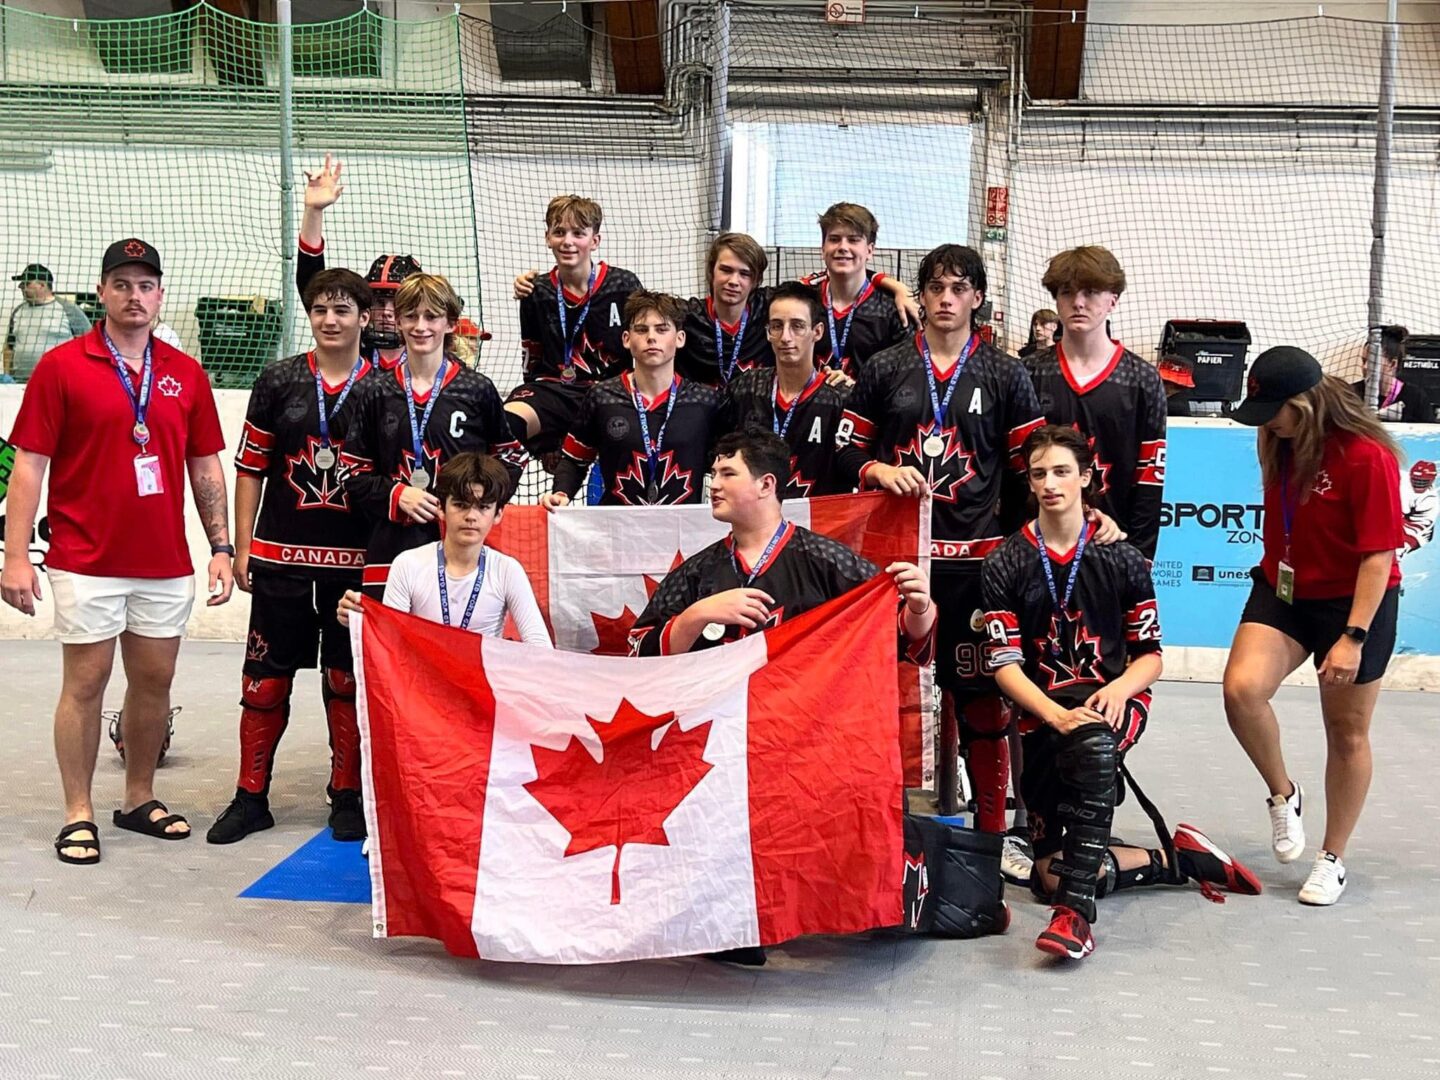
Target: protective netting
{"x": 1230, "y": 167}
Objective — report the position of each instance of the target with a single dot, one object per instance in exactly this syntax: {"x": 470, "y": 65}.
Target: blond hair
{"x": 429, "y": 292}
{"x": 575, "y": 209}
{"x": 851, "y": 216}
{"x": 1326, "y": 408}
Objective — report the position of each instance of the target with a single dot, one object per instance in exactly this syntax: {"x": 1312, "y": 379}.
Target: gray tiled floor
{"x": 149, "y": 967}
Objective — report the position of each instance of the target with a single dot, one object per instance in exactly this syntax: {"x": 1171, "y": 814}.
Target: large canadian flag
{"x": 594, "y": 569}
{"x": 534, "y": 805}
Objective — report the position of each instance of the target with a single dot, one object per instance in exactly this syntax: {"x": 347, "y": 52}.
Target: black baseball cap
{"x": 1277, "y": 375}
{"x": 130, "y": 250}
{"x": 35, "y": 272}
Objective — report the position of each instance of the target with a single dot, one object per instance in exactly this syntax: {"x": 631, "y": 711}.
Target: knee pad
{"x": 339, "y": 683}
{"x": 1088, "y": 761}
{"x": 264, "y": 695}
{"x": 986, "y": 718}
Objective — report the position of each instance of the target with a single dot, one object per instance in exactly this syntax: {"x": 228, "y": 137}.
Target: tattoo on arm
{"x": 210, "y": 501}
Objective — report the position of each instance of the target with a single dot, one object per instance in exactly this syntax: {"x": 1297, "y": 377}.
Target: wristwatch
{"x": 227, "y": 549}
{"x": 1357, "y": 634}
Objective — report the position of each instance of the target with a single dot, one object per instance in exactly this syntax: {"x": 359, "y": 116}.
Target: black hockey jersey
{"x": 593, "y": 321}
{"x": 890, "y": 419}
{"x": 808, "y": 423}
{"x": 467, "y": 416}
{"x": 1112, "y": 617}
{"x": 873, "y": 324}
{"x": 305, "y": 526}
{"x": 697, "y": 359}
{"x": 1122, "y": 412}
{"x": 608, "y": 430}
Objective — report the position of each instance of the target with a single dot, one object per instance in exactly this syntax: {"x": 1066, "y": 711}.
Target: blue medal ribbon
{"x": 1061, "y": 605}
{"x": 139, "y": 399}
{"x": 838, "y": 341}
{"x": 728, "y": 373}
{"x": 417, "y": 431}
{"x": 941, "y": 406}
{"x": 344, "y": 393}
{"x": 652, "y": 450}
{"x": 565, "y": 334}
{"x": 775, "y": 423}
{"x": 445, "y": 589}
{"x": 761, "y": 563}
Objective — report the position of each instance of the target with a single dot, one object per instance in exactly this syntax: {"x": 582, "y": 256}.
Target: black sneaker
{"x": 347, "y": 816}
{"x": 246, "y": 814}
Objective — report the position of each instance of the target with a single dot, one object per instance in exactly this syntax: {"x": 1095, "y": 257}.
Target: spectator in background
{"x": 1044, "y": 331}
{"x": 40, "y": 323}
{"x": 1400, "y": 401}
{"x": 1178, "y": 375}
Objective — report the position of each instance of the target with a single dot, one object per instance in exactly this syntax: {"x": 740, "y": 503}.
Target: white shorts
{"x": 90, "y": 609}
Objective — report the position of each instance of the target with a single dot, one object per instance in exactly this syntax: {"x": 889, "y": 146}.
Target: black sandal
{"x": 91, "y": 845}
{"x": 138, "y": 820}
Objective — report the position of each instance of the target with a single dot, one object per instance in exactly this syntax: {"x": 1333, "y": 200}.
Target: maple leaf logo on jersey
{"x": 613, "y": 633}
{"x": 585, "y": 352}
{"x": 256, "y": 647}
{"x": 407, "y": 464}
{"x": 1100, "y": 484}
{"x": 169, "y": 386}
{"x": 1322, "y": 483}
{"x": 1079, "y": 659}
{"x": 674, "y": 483}
{"x": 947, "y": 473}
{"x": 797, "y": 487}
{"x": 625, "y": 795}
{"x": 317, "y": 488}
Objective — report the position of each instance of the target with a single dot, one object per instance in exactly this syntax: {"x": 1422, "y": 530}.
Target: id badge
{"x": 1285, "y": 583}
{"x": 148, "y": 479}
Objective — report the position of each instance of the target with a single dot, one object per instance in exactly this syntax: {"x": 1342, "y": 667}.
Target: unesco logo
{"x": 1220, "y": 575}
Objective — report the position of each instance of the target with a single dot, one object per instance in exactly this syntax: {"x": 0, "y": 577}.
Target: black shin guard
{"x": 1087, "y": 766}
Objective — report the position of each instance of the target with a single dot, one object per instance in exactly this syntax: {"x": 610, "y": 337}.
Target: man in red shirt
{"x": 119, "y": 418}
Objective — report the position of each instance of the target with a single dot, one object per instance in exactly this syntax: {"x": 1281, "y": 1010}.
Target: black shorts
{"x": 960, "y": 633}
{"x": 557, "y": 404}
{"x": 1042, "y": 786}
{"x": 292, "y": 623}
{"x": 1317, "y": 624}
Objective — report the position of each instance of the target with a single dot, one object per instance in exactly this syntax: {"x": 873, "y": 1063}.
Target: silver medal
{"x": 713, "y": 631}
{"x": 420, "y": 479}
{"x": 324, "y": 458}
{"x": 933, "y": 446}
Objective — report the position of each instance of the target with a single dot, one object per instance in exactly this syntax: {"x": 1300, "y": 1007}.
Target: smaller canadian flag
{"x": 535, "y": 805}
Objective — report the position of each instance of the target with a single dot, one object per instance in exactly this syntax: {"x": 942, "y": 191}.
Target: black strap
{"x": 1157, "y": 819}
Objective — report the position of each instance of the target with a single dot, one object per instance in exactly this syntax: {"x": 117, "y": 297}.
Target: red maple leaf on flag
{"x": 613, "y": 632}
{"x": 625, "y": 796}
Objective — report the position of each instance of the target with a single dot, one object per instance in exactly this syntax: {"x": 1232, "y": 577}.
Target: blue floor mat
{"x": 322, "y": 869}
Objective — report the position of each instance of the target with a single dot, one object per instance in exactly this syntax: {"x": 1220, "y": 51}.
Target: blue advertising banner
{"x": 1210, "y": 536}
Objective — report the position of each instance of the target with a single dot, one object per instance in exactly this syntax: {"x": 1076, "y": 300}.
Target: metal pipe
{"x": 1384, "y": 134}
{"x": 290, "y": 302}
{"x": 719, "y": 140}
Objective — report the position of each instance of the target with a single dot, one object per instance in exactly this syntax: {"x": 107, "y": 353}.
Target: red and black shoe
{"x": 1067, "y": 935}
{"x": 1202, "y": 860}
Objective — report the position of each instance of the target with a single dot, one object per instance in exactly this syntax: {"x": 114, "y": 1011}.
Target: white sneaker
{"x": 1326, "y": 881}
{"x": 1016, "y": 862}
{"x": 1287, "y": 837}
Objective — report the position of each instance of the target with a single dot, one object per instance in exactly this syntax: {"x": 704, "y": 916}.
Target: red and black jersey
{"x": 874, "y": 325}
{"x": 751, "y": 401}
{"x": 1122, "y": 412}
{"x": 1111, "y": 620}
{"x": 890, "y": 418}
{"x": 468, "y": 416}
{"x": 696, "y": 359}
{"x": 598, "y": 352}
{"x": 608, "y": 430}
{"x": 305, "y": 526}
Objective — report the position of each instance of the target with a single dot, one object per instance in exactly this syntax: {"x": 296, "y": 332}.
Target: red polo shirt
{"x": 76, "y": 414}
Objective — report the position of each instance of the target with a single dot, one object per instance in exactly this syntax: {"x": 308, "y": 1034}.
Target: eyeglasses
{"x": 776, "y": 327}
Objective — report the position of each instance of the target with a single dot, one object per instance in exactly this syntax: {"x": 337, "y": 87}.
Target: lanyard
{"x": 139, "y": 399}
{"x": 445, "y": 591}
{"x": 417, "y": 431}
{"x": 344, "y": 393}
{"x": 652, "y": 450}
{"x": 1061, "y": 606}
{"x": 837, "y": 342}
{"x": 762, "y": 563}
{"x": 936, "y": 403}
{"x": 775, "y": 424}
{"x": 565, "y": 334}
{"x": 1395, "y": 387}
{"x": 728, "y": 373}
{"x": 1287, "y": 506}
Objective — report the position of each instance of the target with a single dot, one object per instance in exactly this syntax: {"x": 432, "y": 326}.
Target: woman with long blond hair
{"x": 1328, "y": 586}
